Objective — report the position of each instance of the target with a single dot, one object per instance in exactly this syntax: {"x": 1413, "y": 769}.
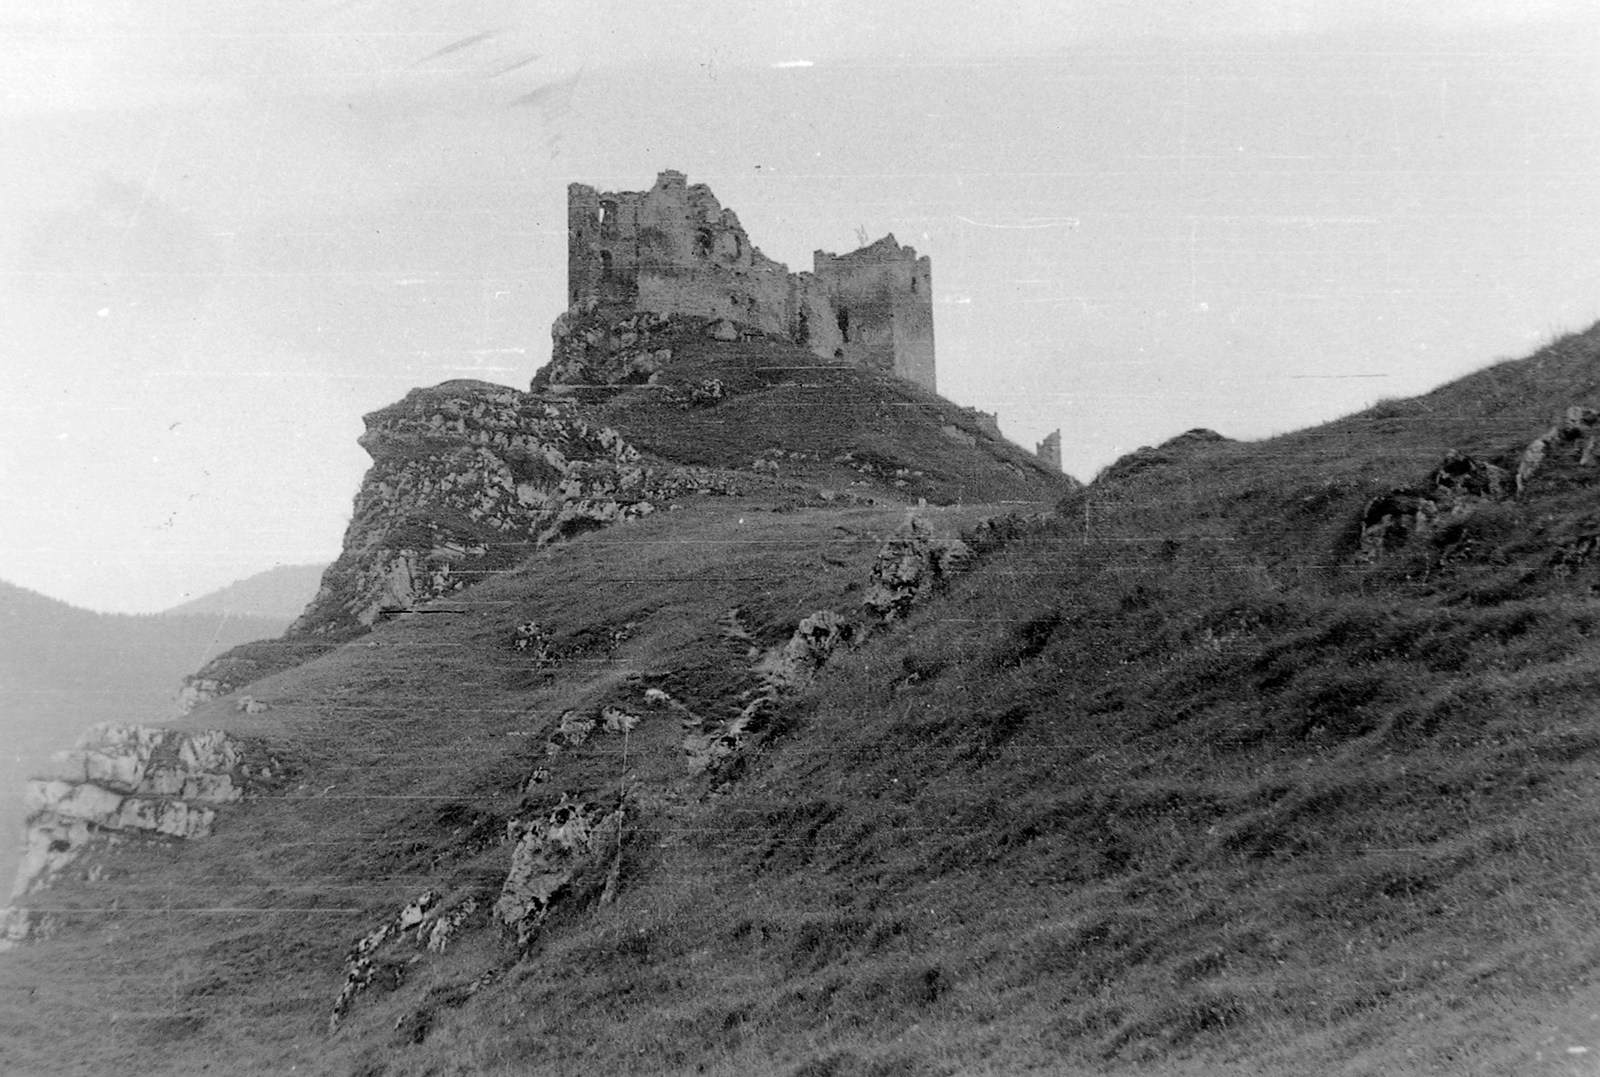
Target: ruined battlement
{"x": 675, "y": 250}
{"x": 1049, "y": 450}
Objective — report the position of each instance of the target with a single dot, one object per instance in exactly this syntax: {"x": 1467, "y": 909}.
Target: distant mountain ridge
{"x": 281, "y": 592}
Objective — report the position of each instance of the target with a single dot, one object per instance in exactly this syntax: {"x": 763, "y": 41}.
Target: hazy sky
{"x": 227, "y": 234}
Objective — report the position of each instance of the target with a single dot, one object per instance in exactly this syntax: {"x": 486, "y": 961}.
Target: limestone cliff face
{"x": 468, "y": 478}
{"x": 128, "y": 782}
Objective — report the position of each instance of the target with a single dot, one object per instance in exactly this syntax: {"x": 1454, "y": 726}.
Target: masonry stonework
{"x": 1049, "y": 450}
{"x": 674, "y": 250}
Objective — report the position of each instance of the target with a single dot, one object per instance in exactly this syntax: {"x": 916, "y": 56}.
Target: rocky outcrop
{"x": 590, "y": 350}
{"x": 129, "y": 781}
{"x": 553, "y": 859}
{"x": 467, "y": 478}
{"x": 1570, "y": 442}
{"x": 572, "y": 729}
{"x": 908, "y": 567}
{"x": 1461, "y": 484}
{"x": 1449, "y": 494}
{"x": 709, "y": 745}
{"x": 794, "y": 663}
{"x": 378, "y": 959}
{"x": 201, "y": 687}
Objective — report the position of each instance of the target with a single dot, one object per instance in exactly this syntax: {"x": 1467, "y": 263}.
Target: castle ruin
{"x": 1049, "y": 450}
{"x": 675, "y": 250}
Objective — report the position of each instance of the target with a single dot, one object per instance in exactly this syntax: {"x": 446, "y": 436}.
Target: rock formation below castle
{"x": 674, "y": 250}
{"x": 467, "y": 479}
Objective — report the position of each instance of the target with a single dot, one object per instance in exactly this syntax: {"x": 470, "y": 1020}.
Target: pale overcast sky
{"x": 227, "y": 234}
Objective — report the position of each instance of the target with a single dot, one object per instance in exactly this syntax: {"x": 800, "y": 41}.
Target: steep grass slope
{"x": 1184, "y": 779}
{"x": 412, "y": 748}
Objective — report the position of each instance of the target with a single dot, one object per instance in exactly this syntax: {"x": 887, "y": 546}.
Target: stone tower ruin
{"x": 1049, "y": 450}
{"x": 674, "y": 250}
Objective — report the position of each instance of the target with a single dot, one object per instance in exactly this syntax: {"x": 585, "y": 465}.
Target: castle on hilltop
{"x": 674, "y": 250}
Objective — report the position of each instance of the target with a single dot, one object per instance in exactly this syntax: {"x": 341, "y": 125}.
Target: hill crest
{"x": 281, "y": 592}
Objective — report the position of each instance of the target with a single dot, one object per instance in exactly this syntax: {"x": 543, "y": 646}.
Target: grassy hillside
{"x": 469, "y": 478}
{"x": 837, "y": 427}
{"x": 1173, "y": 781}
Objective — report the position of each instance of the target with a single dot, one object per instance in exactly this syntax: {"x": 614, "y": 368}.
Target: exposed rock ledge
{"x": 467, "y": 478}
{"x": 127, "y": 781}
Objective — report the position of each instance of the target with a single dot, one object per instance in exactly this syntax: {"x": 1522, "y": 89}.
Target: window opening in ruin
{"x": 913, "y": 285}
{"x": 608, "y": 218}
{"x": 703, "y": 241}
{"x": 605, "y": 264}
{"x": 844, "y": 324}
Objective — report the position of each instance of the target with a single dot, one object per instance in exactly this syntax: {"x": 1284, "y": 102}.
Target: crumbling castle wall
{"x": 880, "y": 300}
{"x": 1049, "y": 450}
{"x": 675, "y": 250}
